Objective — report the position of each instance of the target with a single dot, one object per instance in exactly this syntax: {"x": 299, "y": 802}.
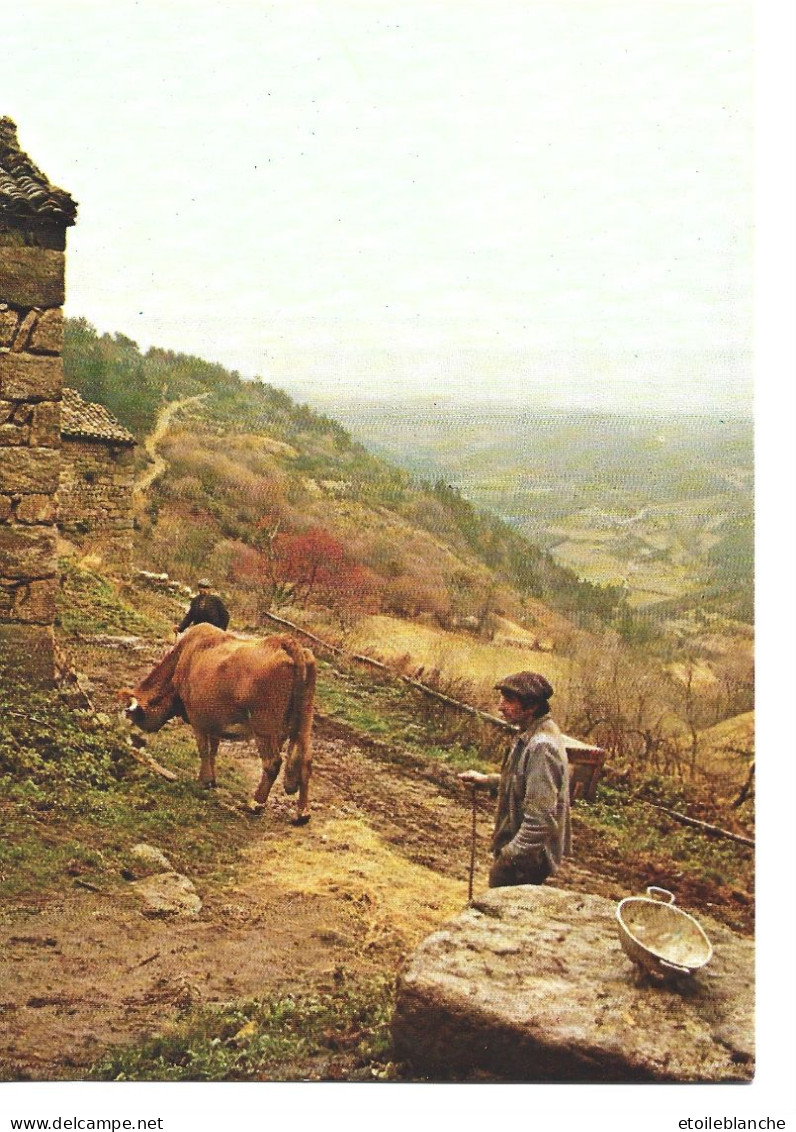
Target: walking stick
{"x": 472, "y": 852}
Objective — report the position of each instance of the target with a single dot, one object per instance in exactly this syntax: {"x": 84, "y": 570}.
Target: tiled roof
{"x": 25, "y": 193}
{"x": 85, "y": 419}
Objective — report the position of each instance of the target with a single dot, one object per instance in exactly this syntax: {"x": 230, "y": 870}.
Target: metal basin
{"x": 659, "y": 937}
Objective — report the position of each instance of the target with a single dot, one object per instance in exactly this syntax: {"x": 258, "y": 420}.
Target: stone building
{"x": 96, "y": 481}
{"x": 34, "y": 216}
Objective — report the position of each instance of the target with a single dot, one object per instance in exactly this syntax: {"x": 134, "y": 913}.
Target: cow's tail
{"x": 300, "y": 714}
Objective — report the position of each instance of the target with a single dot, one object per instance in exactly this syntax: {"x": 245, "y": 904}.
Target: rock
{"x": 531, "y": 984}
{"x": 168, "y": 894}
{"x": 151, "y": 857}
{"x": 109, "y": 641}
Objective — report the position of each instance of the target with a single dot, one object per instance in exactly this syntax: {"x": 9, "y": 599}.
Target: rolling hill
{"x": 660, "y": 505}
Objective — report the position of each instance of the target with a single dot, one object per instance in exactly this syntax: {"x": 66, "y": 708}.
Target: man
{"x": 532, "y": 827}
{"x": 206, "y": 607}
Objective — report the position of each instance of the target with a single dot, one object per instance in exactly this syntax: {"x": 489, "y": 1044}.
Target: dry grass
{"x": 726, "y": 749}
{"x": 461, "y": 658}
{"x": 399, "y": 902}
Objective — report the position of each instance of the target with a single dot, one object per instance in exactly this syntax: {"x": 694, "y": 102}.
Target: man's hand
{"x": 475, "y": 778}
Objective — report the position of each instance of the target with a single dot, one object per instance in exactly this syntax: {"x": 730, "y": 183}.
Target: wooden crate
{"x": 585, "y": 765}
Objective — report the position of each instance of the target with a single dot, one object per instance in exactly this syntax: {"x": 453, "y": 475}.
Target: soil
{"x": 383, "y": 862}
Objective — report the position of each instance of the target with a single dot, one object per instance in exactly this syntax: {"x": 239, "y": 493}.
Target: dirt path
{"x": 383, "y": 862}
{"x": 158, "y": 466}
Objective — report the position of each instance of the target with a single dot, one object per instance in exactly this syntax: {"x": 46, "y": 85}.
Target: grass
{"x": 390, "y": 712}
{"x": 340, "y": 1034}
{"x": 89, "y": 603}
{"x": 73, "y": 801}
{"x": 473, "y": 663}
{"x": 631, "y": 829}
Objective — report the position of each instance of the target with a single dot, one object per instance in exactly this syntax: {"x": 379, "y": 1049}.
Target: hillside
{"x": 660, "y": 505}
{"x": 257, "y": 482}
{"x": 286, "y": 513}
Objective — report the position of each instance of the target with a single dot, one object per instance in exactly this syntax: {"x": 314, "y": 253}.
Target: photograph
{"x": 396, "y": 508}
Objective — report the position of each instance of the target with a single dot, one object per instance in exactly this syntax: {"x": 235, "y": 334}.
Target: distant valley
{"x": 661, "y": 504}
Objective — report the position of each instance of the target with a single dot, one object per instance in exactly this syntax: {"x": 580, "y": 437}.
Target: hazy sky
{"x": 551, "y": 198}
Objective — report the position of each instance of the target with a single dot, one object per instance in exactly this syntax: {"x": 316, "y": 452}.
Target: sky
{"x": 550, "y": 198}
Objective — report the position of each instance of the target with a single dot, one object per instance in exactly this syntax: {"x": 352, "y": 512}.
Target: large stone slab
{"x": 531, "y": 984}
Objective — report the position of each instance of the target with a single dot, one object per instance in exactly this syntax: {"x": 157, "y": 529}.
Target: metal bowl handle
{"x": 675, "y": 967}
{"x": 662, "y": 895}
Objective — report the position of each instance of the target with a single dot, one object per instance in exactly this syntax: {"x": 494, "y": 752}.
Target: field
{"x": 462, "y": 660}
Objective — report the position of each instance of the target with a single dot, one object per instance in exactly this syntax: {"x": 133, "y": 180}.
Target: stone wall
{"x": 94, "y": 498}
{"x": 31, "y": 378}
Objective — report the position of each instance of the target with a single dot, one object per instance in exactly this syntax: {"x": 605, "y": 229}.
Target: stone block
{"x": 29, "y": 471}
{"x": 36, "y": 509}
{"x": 24, "y": 331}
{"x": 46, "y": 425}
{"x": 27, "y": 377}
{"x": 31, "y": 277}
{"x": 12, "y": 436}
{"x": 27, "y": 654}
{"x": 34, "y": 602}
{"x": 27, "y": 552}
{"x": 531, "y": 984}
{"x": 19, "y": 413}
{"x": 18, "y": 233}
{"x": 9, "y": 321}
{"x": 15, "y": 422}
{"x": 48, "y": 333}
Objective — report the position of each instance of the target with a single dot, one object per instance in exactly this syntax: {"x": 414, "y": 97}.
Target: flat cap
{"x": 203, "y": 584}
{"x": 527, "y": 685}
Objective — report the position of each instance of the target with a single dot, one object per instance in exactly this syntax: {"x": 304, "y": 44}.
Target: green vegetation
{"x": 73, "y": 800}
{"x": 111, "y": 370}
{"x": 89, "y": 603}
{"x": 632, "y": 829}
{"x": 342, "y": 1034}
{"x": 403, "y": 718}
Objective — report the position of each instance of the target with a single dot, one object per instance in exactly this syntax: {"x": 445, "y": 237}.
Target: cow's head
{"x": 154, "y": 700}
{"x": 149, "y": 710}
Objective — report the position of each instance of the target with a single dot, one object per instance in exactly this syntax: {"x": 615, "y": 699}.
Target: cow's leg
{"x": 268, "y": 747}
{"x": 297, "y": 777}
{"x": 208, "y": 746}
{"x": 303, "y": 808}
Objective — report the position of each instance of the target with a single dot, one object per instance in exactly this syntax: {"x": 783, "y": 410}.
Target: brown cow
{"x": 227, "y": 687}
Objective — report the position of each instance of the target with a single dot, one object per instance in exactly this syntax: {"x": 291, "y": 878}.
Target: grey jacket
{"x": 532, "y": 820}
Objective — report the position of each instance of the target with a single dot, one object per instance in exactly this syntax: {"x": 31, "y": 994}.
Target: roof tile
{"x": 90, "y": 421}
{"x": 25, "y": 192}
